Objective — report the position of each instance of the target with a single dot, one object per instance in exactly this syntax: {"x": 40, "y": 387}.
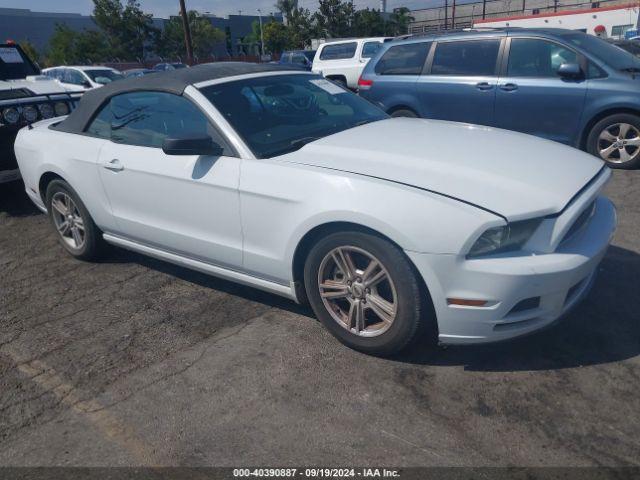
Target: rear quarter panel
{"x": 72, "y": 157}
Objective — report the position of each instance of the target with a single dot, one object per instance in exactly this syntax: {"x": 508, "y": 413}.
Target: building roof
{"x": 172, "y": 81}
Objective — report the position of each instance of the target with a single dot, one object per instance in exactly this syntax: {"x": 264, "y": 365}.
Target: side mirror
{"x": 191, "y": 146}
{"x": 86, "y": 84}
{"x": 570, "y": 71}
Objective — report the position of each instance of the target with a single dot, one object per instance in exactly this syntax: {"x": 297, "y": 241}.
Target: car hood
{"x": 514, "y": 175}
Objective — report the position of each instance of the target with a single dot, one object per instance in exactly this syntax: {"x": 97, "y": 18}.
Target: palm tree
{"x": 286, "y": 7}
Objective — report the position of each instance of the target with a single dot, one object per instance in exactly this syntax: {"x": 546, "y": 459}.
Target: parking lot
{"x": 133, "y": 361}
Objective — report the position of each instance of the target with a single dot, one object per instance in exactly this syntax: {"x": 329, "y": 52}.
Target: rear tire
{"x": 616, "y": 140}
{"x": 404, "y": 112}
{"x": 75, "y": 228}
{"x": 377, "y": 309}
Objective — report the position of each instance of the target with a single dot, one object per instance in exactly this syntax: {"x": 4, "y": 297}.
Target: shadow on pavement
{"x": 15, "y": 202}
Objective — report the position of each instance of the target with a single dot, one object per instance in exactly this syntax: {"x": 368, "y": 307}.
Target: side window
{"x": 101, "y": 124}
{"x": 298, "y": 58}
{"x": 73, "y": 77}
{"x": 468, "y": 58}
{"x": 369, "y": 49}
{"x": 147, "y": 118}
{"x": 405, "y": 59}
{"x": 339, "y": 51}
{"x": 530, "y": 57}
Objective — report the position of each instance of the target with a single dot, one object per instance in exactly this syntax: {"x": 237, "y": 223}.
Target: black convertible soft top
{"x": 174, "y": 81}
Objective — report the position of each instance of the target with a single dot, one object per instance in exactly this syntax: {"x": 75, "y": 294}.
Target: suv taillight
{"x": 364, "y": 83}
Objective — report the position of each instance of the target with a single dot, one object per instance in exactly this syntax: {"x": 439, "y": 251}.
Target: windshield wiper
{"x": 294, "y": 145}
{"x": 630, "y": 69}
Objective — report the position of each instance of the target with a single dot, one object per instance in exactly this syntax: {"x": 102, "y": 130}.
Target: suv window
{"x": 147, "y": 118}
{"x": 469, "y": 58}
{"x": 339, "y": 51}
{"x": 369, "y": 49}
{"x": 403, "y": 59}
{"x": 531, "y": 57}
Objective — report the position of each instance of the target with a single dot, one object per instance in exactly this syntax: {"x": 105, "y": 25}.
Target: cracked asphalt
{"x": 133, "y": 361}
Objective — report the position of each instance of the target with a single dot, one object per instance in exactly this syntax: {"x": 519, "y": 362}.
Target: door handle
{"x": 508, "y": 87}
{"x": 114, "y": 165}
{"x": 484, "y": 86}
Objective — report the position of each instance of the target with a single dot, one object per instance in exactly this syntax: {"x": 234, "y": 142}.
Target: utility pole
{"x": 453, "y": 16}
{"x": 261, "y": 35}
{"x": 187, "y": 32}
{"x": 446, "y": 15}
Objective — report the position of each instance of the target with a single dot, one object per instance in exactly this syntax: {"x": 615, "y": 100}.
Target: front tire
{"x": 404, "y": 112}
{"x": 616, "y": 140}
{"x": 76, "y": 230}
{"x": 365, "y": 292}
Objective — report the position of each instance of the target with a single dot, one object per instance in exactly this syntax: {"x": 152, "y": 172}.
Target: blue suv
{"x": 559, "y": 84}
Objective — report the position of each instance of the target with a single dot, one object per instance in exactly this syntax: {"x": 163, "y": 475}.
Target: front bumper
{"x": 524, "y": 293}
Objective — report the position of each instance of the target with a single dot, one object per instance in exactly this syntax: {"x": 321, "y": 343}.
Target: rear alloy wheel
{"x": 365, "y": 292}
{"x": 76, "y": 230}
{"x": 616, "y": 140}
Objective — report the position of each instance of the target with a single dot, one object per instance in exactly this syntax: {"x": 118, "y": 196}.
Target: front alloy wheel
{"x": 616, "y": 140}
{"x": 357, "y": 291}
{"x": 619, "y": 143}
{"x": 364, "y": 290}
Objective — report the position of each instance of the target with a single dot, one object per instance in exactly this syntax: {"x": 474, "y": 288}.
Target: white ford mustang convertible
{"x": 286, "y": 182}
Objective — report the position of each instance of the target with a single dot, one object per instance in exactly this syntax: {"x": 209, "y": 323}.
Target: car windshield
{"x": 104, "y": 76}
{"x": 607, "y": 53}
{"x": 279, "y": 114}
{"x": 14, "y": 65}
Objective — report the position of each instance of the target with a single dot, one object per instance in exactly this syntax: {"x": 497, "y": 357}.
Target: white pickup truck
{"x": 343, "y": 61}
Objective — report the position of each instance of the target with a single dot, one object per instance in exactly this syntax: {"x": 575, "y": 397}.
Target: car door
{"x": 184, "y": 204}
{"x": 460, "y": 81}
{"x": 532, "y": 97}
{"x": 337, "y": 60}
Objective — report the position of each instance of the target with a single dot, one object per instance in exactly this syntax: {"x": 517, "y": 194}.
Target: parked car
{"x": 169, "y": 66}
{"x": 137, "y": 72}
{"x": 343, "y": 61}
{"x": 298, "y": 58}
{"x": 77, "y": 78}
{"x": 285, "y": 181}
{"x": 25, "y": 97}
{"x": 559, "y": 84}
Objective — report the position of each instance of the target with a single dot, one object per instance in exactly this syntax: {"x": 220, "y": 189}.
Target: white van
{"x": 344, "y": 60}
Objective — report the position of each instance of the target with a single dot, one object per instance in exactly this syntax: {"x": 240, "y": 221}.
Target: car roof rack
{"x": 453, "y": 31}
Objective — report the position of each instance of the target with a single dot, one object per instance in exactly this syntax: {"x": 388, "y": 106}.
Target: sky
{"x": 164, "y": 8}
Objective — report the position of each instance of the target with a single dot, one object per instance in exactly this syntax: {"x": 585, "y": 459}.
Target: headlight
{"x": 11, "y": 115}
{"x": 46, "y": 110}
{"x": 30, "y": 113}
{"x": 507, "y": 238}
{"x": 61, "y": 109}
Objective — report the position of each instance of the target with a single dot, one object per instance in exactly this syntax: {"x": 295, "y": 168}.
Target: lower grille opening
{"x": 573, "y": 291}
{"x": 526, "y": 304}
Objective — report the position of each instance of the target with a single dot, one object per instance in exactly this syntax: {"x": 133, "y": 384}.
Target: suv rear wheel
{"x": 616, "y": 140}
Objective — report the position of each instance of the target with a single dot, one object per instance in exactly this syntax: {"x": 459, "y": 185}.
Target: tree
{"x": 334, "y": 18}
{"x": 204, "y": 37}
{"x": 276, "y": 37}
{"x": 399, "y": 21}
{"x": 67, "y": 46}
{"x": 127, "y": 28}
{"x": 31, "y": 51}
{"x": 368, "y": 23}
